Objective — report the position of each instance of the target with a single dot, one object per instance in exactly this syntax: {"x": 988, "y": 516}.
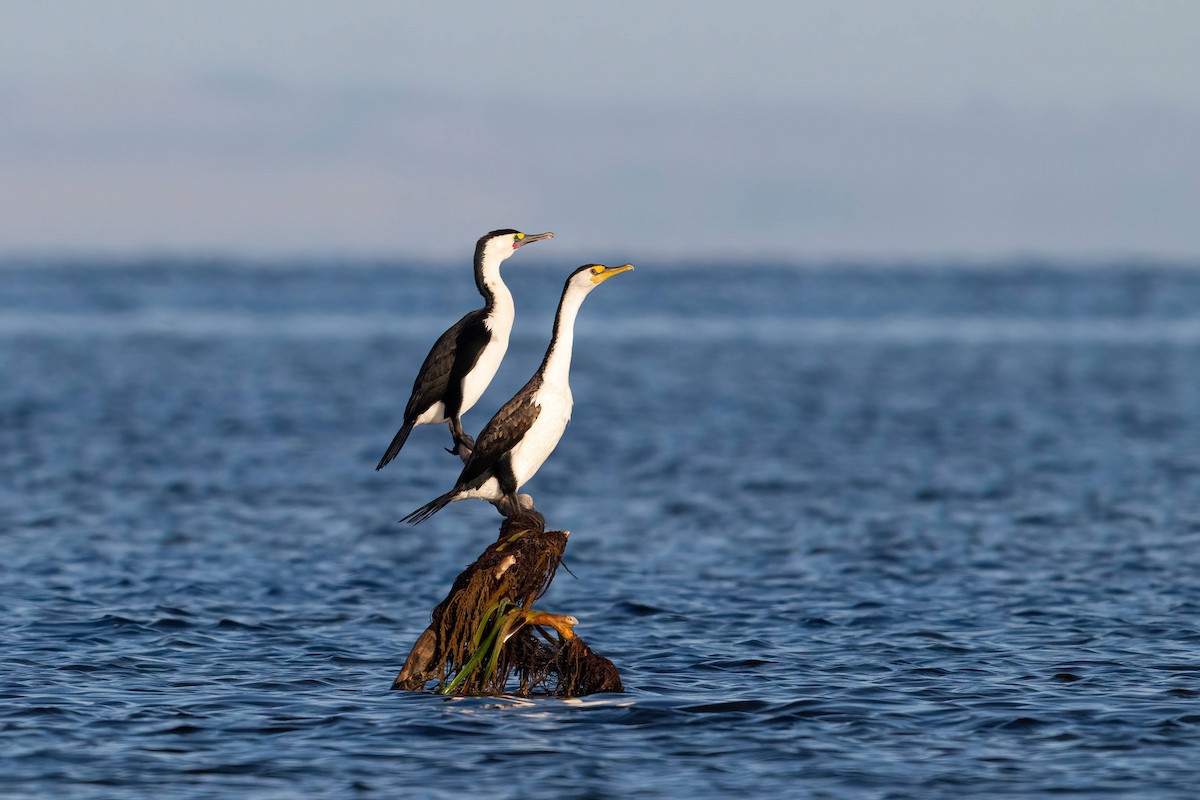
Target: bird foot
{"x": 505, "y": 508}
{"x": 462, "y": 447}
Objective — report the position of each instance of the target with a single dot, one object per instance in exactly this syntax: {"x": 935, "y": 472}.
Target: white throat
{"x": 557, "y": 368}
{"x": 502, "y": 298}
{"x": 500, "y": 295}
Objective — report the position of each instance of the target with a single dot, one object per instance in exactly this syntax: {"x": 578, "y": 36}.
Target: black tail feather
{"x": 429, "y": 509}
{"x": 394, "y": 448}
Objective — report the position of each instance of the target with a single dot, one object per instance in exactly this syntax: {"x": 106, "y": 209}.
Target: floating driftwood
{"x": 486, "y": 633}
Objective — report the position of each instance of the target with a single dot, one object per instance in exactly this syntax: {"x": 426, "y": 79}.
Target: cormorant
{"x": 465, "y": 358}
{"x": 517, "y": 440}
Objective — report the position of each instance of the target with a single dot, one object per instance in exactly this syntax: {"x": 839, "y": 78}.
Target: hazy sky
{"x": 678, "y": 129}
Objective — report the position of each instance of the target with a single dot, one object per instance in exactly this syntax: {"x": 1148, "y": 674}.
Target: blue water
{"x": 846, "y": 532}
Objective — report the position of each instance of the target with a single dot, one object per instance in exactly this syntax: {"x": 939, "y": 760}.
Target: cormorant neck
{"x": 489, "y": 282}
{"x": 556, "y": 366}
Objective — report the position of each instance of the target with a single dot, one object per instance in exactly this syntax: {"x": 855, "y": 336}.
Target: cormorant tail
{"x": 394, "y": 447}
{"x": 429, "y": 509}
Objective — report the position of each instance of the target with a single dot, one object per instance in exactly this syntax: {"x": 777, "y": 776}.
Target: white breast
{"x": 499, "y": 323}
{"x": 477, "y": 380}
{"x": 543, "y": 436}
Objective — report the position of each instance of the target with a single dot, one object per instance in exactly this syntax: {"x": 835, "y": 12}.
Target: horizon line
{"x": 100, "y": 258}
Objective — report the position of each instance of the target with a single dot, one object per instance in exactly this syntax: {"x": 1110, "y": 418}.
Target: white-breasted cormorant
{"x": 465, "y": 358}
{"x": 517, "y": 440}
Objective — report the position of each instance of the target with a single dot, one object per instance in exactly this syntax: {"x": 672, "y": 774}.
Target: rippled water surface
{"x": 846, "y": 533}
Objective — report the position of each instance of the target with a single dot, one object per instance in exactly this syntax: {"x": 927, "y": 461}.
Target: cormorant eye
{"x": 519, "y": 237}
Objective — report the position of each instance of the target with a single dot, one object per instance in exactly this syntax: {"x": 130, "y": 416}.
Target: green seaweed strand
{"x": 493, "y": 621}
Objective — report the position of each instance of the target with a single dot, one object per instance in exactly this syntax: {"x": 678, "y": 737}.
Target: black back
{"x": 453, "y": 355}
{"x": 499, "y": 436}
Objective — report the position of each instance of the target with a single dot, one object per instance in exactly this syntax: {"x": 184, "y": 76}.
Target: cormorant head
{"x": 494, "y": 247}
{"x": 589, "y": 276}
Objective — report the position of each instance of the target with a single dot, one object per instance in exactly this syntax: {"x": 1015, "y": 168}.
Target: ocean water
{"x": 847, "y": 532}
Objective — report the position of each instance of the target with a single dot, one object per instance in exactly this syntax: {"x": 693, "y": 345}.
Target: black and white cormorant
{"x": 517, "y": 440}
{"x": 465, "y": 358}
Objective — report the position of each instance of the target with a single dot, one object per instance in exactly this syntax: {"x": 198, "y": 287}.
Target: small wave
{"x": 663, "y": 327}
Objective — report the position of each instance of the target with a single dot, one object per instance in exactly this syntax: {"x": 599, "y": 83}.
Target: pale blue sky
{"x": 674, "y": 129}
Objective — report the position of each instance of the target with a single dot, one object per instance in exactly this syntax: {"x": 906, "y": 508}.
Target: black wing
{"x": 452, "y": 356}
{"x": 502, "y": 432}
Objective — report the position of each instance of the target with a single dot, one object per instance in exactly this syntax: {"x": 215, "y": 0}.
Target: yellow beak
{"x": 610, "y": 271}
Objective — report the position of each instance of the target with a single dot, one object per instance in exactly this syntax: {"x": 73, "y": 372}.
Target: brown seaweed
{"x": 486, "y": 634}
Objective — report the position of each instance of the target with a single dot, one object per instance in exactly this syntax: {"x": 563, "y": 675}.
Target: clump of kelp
{"x": 486, "y": 635}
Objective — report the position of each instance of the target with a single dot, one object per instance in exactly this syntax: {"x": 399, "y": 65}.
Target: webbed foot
{"x": 512, "y": 504}
{"x": 463, "y": 447}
